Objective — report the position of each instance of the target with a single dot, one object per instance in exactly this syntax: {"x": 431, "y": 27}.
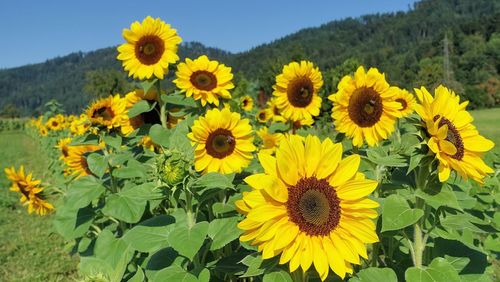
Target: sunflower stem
{"x": 163, "y": 106}
{"x": 419, "y": 238}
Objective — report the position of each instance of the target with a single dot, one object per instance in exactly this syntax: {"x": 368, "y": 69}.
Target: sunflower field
{"x": 370, "y": 183}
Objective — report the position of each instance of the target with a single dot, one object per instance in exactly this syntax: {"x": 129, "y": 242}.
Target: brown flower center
{"x": 403, "y": 103}
{"x": 365, "y": 107}
{"x": 314, "y": 206}
{"x": 300, "y": 92}
{"x": 220, "y": 143}
{"x": 203, "y": 80}
{"x": 262, "y": 116}
{"x": 276, "y": 110}
{"x": 106, "y": 113}
{"x": 453, "y": 137}
{"x": 149, "y": 49}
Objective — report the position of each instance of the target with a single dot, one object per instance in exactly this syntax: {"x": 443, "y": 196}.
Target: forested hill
{"x": 456, "y": 42}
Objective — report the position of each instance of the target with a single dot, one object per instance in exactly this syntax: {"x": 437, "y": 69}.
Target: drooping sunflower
{"x": 108, "y": 112}
{"x": 76, "y": 161}
{"x": 270, "y": 141}
{"x": 310, "y": 207}
{"x": 39, "y": 205}
{"x": 264, "y": 115}
{"x": 407, "y": 101}
{"x": 453, "y": 138}
{"x": 151, "y": 46}
{"x": 223, "y": 142}
{"x": 296, "y": 91}
{"x": 364, "y": 107}
{"x": 246, "y": 103}
{"x": 63, "y": 146}
{"x": 205, "y": 80}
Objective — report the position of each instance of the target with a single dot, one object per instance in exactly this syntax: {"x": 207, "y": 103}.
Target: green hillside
{"x": 455, "y": 42}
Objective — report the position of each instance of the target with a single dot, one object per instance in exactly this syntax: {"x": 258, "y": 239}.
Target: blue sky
{"x": 36, "y": 30}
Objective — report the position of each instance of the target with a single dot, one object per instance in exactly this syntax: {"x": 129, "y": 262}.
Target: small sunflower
{"x": 39, "y": 205}
{"x": 453, "y": 138}
{"x": 246, "y": 103}
{"x": 205, "y": 80}
{"x": 43, "y": 131}
{"x": 277, "y": 117}
{"x": 63, "y": 146}
{"x": 54, "y": 124}
{"x": 310, "y": 206}
{"x": 296, "y": 91}
{"x": 264, "y": 115}
{"x": 76, "y": 161}
{"x": 80, "y": 126}
{"x": 270, "y": 141}
{"x": 108, "y": 112}
{"x": 223, "y": 142}
{"x": 151, "y": 46}
{"x": 364, "y": 107}
{"x": 407, "y": 101}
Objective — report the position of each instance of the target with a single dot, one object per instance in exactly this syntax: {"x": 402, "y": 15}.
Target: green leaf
{"x": 129, "y": 204}
{"x": 278, "y": 127}
{"x": 140, "y": 107}
{"x": 397, "y": 214}
{"x": 492, "y": 244}
{"x": 83, "y": 191}
{"x": 72, "y": 223}
{"x": 223, "y": 231}
{"x": 174, "y": 273}
{"x": 439, "y": 270}
{"x": 179, "y": 139}
{"x": 393, "y": 160}
{"x": 114, "y": 141}
{"x": 178, "y": 99}
{"x": 188, "y": 241}
{"x": 460, "y": 222}
{"x": 415, "y": 159}
{"x": 215, "y": 180}
{"x": 133, "y": 169}
{"x": 97, "y": 164}
{"x": 160, "y": 135}
{"x": 91, "y": 266}
{"x": 150, "y": 235}
{"x": 84, "y": 140}
{"x": 444, "y": 197}
{"x": 374, "y": 274}
{"x": 138, "y": 276}
{"x": 277, "y": 276}
{"x": 458, "y": 263}
{"x": 115, "y": 252}
{"x": 148, "y": 84}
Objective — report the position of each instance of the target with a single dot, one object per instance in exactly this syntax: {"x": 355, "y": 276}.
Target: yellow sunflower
{"x": 39, "y": 205}
{"x": 130, "y": 124}
{"x": 80, "y": 126}
{"x": 455, "y": 141}
{"x": 223, "y": 142}
{"x": 108, "y": 112}
{"x": 43, "y": 131}
{"x": 296, "y": 91}
{"x": 407, "y": 101}
{"x": 205, "y": 80}
{"x": 264, "y": 115}
{"x": 364, "y": 107}
{"x": 54, "y": 124}
{"x": 147, "y": 143}
{"x": 246, "y": 103}
{"x": 63, "y": 146}
{"x": 151, "y": 46}
{"x": 76, "y": 161}
{"x": 310, "y": 207}
{"x": 277, "y": 117}
{"x": 270, "y": 141}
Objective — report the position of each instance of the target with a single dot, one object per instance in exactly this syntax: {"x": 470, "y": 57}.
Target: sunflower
{"x": 150, "y": 48}
{"x": 43, "y": 131}
{"x": 205, "y": 80}
{"x": 270, "y": 141}
{"x": 63, "y": 146}
{"x": 76, "y": 161}
{"x": 455, "y": 141}
{"x": 264, "y": 115}
{"x": 80, "y": 126}
{"x": 223, "y": 142}
{"x": 147, "y": 143}
{"x": 108, "y": 112}
{"x": 246, "y": 103}
{"x": 364, "y": 107}
{"x": 54, "y": 124}
{"x": 277, "y": 117}
{"x": 129, "y": 124}
{"x": 296, "y": 91}
{"x": 39, "y": 205}
{"x": 310, "y": 207}
{"x": 407, "y": 101}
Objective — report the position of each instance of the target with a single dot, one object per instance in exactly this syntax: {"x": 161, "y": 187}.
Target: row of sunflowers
{"x": 163, "y": 186}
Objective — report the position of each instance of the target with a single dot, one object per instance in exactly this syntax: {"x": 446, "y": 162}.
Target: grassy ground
{"x": 28, "y": 249}
{"x": 488, "y": 123}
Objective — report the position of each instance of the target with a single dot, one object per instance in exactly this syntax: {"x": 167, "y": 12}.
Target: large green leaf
{"x": 440, "y": 270}
{"x": 133, "y": 169}
{"x": 174, "y": 273}
{"x": 72, "y": 223}
{"x": 188, "y": 241}
{"x": 214, "y": 180}
{"x": 445, "y": 197}
{"x": 460, "y": 222}
{"x": 223, "y": 231}
{"x": 83, "y": 191}
{"x": 113, "y": 251}
{"x": 97, "y": 164}
{"x": 374, "y": 274}
{"x": 160, "y": 135}
{"x": 150, "y": 235}
{"x": 129, "y": 204}
{"x": 140, "y": 107}
{"x": 277, "y": 276}
{"x": 179, "y": 99}
{"x": 397, "y": 214}
{"x": 459, "y": 263}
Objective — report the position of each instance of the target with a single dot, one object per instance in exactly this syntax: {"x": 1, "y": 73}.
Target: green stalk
{"x": 419, "y": 238}
{"x": 163, "y": 106}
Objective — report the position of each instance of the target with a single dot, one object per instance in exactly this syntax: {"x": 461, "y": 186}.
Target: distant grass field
{"x": 487, "y": 122}
{"x": 28, "y": 250}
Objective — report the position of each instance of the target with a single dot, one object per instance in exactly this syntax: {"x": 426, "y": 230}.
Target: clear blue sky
{"x": 36, "y": 30}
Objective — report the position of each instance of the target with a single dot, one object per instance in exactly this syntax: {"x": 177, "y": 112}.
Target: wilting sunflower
{"x": 264, "y": 115}
{"x": 223, "y": 142}
{"x": 150, "y": 48}
{"x": 76, "y": 161}
{"x": 310, "y": 207}
{"x": 296, "y": 91}
{"x": 277, "y": 117}
{"x": 270, "y": 141}
{"x": 455, "y": 141}
{"x": 205, "y": 80}
{"x": 407, "y": 101}
{"x": 364, "y": 107}
{"x": 108, "y": 112}
{"x": 63, "y": 146}
{"x": 246, "y": 103}
{"x": 54, "y": 124}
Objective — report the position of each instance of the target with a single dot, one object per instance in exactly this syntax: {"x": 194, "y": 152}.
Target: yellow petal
{"x": 356, "y": 189}
{"x": 447, "y": 147}
{"x": 266, "y": 212}
{"x": 346, "y": 170}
